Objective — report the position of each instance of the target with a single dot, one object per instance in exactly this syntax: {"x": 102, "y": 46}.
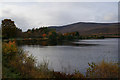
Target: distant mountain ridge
{"x": 89, "y": 28}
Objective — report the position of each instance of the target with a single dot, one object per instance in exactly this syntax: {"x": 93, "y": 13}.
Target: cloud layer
{"x": 37, "y": 14}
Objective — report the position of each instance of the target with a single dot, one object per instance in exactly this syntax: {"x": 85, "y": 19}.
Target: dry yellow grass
{"x": 103, "y": 70}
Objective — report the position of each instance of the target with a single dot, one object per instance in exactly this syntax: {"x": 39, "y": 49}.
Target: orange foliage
{"x": 9, "y": 48}
{"x": 44, "y": 35}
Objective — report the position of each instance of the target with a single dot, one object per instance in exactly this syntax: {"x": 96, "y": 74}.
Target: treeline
{"x": 10, "y": 31}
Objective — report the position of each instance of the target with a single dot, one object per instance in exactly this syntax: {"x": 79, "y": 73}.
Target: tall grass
{"x": 103, "y": 70}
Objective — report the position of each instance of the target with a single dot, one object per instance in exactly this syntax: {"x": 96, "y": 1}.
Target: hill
{"x": 87, "y": 28}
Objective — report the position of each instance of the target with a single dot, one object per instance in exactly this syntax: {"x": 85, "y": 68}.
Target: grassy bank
{"x": 17, "y": 64}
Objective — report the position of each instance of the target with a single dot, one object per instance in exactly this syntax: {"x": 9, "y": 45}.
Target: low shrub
{"x": 16, "y": 64}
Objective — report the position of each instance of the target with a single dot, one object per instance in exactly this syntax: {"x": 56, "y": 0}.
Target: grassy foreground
{"x": 17, "y": 64}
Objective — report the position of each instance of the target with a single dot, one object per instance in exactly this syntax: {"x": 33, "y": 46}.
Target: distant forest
{"x": 10, "y": 31}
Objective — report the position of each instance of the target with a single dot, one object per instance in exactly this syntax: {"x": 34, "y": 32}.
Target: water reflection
{"x": 63, "y": 43}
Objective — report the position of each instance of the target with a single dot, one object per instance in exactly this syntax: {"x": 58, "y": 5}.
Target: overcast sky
{"x": 29, "y": 15}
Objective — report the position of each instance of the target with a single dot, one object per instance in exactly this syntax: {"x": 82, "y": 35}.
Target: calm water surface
{"x": 68, "y": 58}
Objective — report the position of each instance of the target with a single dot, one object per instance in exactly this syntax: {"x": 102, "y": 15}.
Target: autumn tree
{"x": 9, "y": 29}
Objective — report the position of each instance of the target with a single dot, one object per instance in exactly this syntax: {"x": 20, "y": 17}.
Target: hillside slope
{"x": 88, "y": 28}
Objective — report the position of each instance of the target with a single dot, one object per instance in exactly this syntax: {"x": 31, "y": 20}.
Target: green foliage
{"x": 52, "y": 37}
{"x": 69, "y": 37}
{"x": 77, "y": 34}
{"x": 60, "y": 37}
{"x": 10, "y": 72}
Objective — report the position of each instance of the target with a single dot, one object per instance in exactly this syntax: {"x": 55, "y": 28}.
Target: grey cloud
{"x": 30, "y": 15}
